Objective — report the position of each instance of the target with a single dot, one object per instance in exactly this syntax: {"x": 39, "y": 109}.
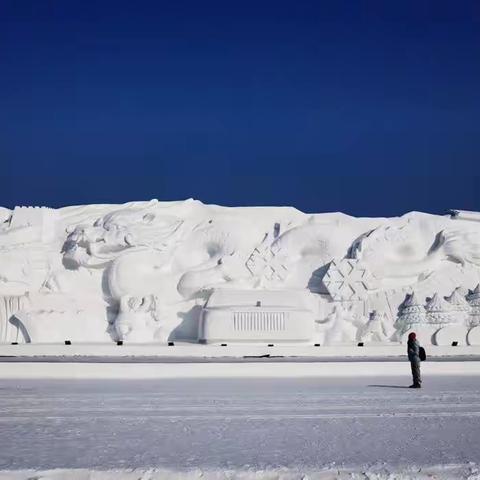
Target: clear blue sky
{"x": 371, "y": 108}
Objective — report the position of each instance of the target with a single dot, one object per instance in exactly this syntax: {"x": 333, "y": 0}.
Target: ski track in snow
{"x": 239, "y": 424}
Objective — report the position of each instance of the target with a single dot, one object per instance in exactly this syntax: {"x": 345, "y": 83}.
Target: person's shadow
{"x": 388, "y": 386}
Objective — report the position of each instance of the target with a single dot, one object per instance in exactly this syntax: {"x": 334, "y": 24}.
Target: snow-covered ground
{"x": 103, "y": 369}
{"x": 182, "y": 351}
{"x": 320, "y": 427}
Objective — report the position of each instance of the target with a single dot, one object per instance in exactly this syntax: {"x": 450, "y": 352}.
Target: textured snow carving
{"x": 31, "y": 224}
{"x": 473, "y": 299}
{"x": 256, "y": 315}
{"x": 377, "y": 329}
{"x": 9, "y": 306}
{"x": 143, "y": 271}
{"x": 265, "y": 263}
{"x": 460, "y": 306}
{"x": 341, "y": 326}
{"x": 412, "y": 313}
{"x": 135, "y": 318}
{"x": 348, "y": 279}
{"x": 439, "y": 311}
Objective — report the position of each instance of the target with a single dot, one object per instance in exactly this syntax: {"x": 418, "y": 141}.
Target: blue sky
{"x": 371, "y": 108}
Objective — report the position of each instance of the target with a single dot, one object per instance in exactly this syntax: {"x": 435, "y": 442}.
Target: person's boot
{"x": 415, "y": 385}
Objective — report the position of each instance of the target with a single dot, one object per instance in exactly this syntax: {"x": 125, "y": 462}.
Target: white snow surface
{"x": 224, "y": 370}
{"x": 232, "y": 351}
{"x": 368, "y": 427}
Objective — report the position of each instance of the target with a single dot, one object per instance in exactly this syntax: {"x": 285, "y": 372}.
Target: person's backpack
{"x": 422, "y": 354}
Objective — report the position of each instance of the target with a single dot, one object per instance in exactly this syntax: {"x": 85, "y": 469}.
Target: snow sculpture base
{"x": 425, "y": 334}
{"x": 450, "y": 335}
{"x": 473, "y": 337}
{"x": 256, "y": 316}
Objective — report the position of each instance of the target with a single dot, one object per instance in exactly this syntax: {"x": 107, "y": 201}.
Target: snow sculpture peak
{"x": 412, "y": 301}
{"x": 475, "y": 293}
{"x": 437, "y": 304}
{"x": 457, "y": 299}
{"x": 441, "y": 312}
{"x": 459, "y": 305}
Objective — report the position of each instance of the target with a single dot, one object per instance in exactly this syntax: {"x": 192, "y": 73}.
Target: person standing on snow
{"x": 413, "y": 350}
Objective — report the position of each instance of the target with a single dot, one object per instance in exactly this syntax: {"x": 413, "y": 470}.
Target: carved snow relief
{"x": 184, "y": 271}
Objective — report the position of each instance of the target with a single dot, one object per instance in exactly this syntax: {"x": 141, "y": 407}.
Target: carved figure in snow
{"x": 377, "y": 329}
{"x": 136, "y": 318}
{"x": 439, "y": 311}
{"x": 412, "y": 313}
{"x": 131, "y": 227}
{"x": 460, "y": 307}
{"x": 409, "y": 249}
{"x": 212, "y": 256}
{"x": 473, "y": 299}
{"x": 227, "y": 271}
{"x": 341, "y": 326}
{"x": 307, "y": 248}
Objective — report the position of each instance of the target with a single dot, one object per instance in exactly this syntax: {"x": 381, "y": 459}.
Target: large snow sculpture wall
{"x": 145, "y": 271}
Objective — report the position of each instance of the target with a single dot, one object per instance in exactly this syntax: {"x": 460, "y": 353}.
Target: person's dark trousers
{"x": 417, "y": 378}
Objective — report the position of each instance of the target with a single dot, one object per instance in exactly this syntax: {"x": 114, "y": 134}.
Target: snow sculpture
{"x": 347, "y": 279}
{"x": 460, "y": 307}
{"x": 262, "y": 315}
{"x": 31, "y": 224}
{"x": 408, "y": 250}
{"x": 439, "y": 311}
{"x": 9, "y": 305}
{"x": 450, "y": 335}
{"x": 341, "y": 326}
{"x": 137, "y": 318}
{"x": 465, "y": 215}
{"x": 377, "y": 329}
{"x": 434, "y": 322}
{"x": 412, "y": 314}
{"x": 473, "y": 336}
{"x": 473, "y": 299}
{"x": 265, "y": 263}
{"x": 145, "y": 272}
{"x": 52, "y": 325}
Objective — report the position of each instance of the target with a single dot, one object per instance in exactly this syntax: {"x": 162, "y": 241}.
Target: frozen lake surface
{"x": 302, "y": 424}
